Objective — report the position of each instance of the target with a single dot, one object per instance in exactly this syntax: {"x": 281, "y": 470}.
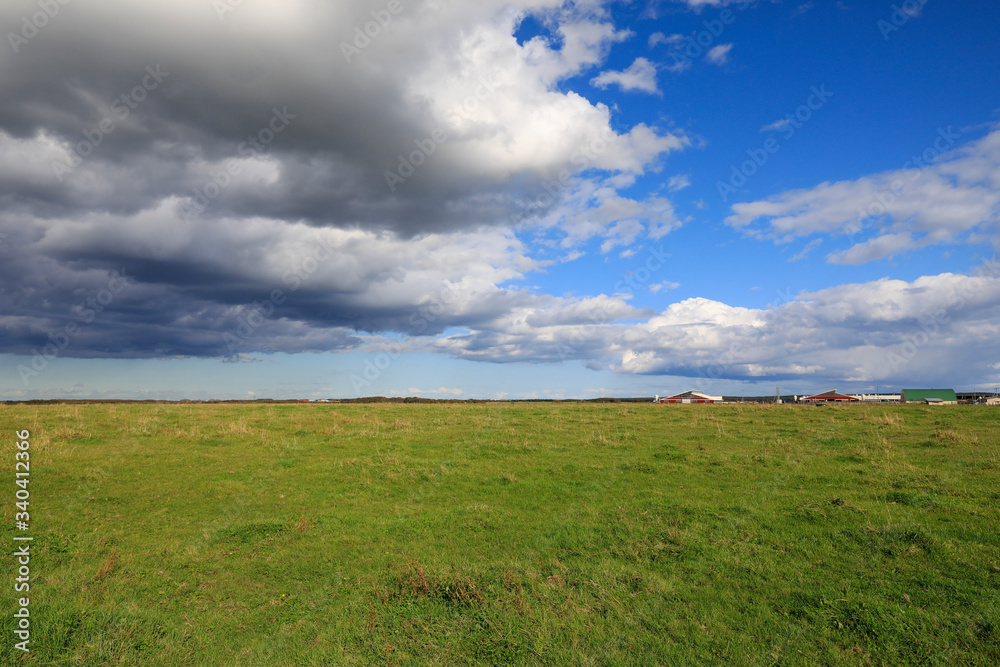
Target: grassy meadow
{"x": 507, "y": 534}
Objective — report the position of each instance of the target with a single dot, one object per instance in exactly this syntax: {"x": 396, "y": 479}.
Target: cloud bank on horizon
{"x": 529, "y": 183}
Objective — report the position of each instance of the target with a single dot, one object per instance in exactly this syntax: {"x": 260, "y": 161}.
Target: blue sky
{"x": 501, "y": 200}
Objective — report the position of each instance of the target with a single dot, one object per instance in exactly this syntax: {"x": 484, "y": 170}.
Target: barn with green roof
{"x": 930, "y": 396}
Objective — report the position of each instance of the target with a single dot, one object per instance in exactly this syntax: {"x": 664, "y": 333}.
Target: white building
{"x": 687, "y": 397}
{"x": 877, "y": 398}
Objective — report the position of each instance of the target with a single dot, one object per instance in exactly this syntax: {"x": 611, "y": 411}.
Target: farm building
{"x": 832, "y": 396}
{"x": 877, "y": 398}
{"x": 690, "y": 396}
{"x": 929, "y": 396}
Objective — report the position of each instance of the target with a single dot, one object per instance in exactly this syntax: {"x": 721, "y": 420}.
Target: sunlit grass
{"x": 592, "y": 534}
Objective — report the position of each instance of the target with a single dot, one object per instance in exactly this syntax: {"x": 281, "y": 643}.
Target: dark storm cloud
{"x": 186, "y": 300}
{"x": 180, "y": 104}
{"x": 206, "y": 156}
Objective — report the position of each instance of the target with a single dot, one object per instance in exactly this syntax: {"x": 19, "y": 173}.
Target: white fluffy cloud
{"x": 658, "y": 38}
{"x": 640, "y": 75}
{"x": 719, "y": 55}
{"x": 698, "y": 5}
{"x": 595, "y": 209}
{"x": 945, "y": 195}
{"x": 887, "y": 330}
{"x": 664, "y": 286}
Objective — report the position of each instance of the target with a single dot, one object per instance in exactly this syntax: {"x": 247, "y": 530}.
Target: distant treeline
{"x": 366, "y": 399}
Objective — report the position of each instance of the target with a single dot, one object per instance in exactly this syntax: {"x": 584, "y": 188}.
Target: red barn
{"x": 831, "y": 396}
{"x": 692, "y": 396}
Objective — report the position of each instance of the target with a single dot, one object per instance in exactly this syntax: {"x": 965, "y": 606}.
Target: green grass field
{"x": 507, "y": 534}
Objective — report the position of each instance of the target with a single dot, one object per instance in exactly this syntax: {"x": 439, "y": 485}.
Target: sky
{"x": 238, "y": 199}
